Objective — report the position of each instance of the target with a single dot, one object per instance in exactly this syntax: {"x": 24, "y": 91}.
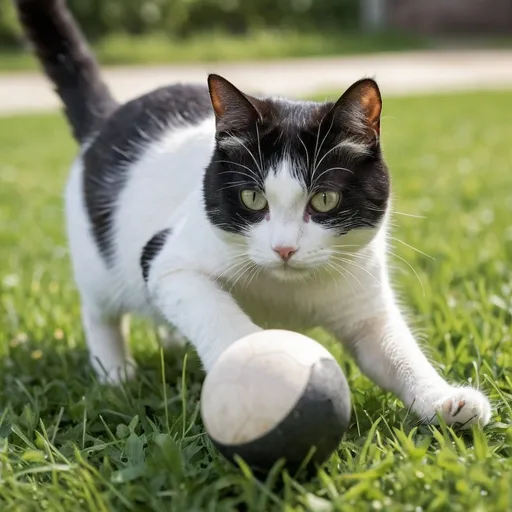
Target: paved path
{"x": 397, "y": 73}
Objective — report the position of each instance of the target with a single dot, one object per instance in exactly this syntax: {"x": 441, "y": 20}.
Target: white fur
{"x": 215, "y": 287}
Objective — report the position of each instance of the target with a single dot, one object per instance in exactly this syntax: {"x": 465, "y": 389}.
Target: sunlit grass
{"x": 68, "y": 444}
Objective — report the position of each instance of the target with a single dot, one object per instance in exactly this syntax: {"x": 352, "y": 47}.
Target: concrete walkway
{"x": 397, "y": 73}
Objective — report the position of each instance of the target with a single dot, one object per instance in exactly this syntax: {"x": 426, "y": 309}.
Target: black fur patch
{"x": 151, "y": 250}
{"x": 121, "y": 142}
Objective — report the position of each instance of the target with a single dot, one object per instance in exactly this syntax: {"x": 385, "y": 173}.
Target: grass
{"x": 66, "y": 443}
{"x": 160, "y": 49}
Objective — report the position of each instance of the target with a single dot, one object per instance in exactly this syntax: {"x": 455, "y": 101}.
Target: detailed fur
{"x": 158, "y": 226}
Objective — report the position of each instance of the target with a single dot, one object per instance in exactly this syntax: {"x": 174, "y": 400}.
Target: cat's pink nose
{"x": 285, "y": 253}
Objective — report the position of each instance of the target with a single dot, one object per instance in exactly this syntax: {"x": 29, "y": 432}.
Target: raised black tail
{"x": 68, "y": 62}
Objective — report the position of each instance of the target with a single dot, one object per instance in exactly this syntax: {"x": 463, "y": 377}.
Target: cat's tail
{"x": 68, "y": 62}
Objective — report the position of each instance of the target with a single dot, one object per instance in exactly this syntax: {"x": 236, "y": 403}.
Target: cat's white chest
{"x": 276, "y": 305}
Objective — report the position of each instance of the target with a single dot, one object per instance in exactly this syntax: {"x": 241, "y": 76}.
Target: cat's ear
{"x": 234, "y": 110}
{"x": 359, "y": 109}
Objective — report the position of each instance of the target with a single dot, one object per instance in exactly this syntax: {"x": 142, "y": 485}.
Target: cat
{"x": 220, "y": 214}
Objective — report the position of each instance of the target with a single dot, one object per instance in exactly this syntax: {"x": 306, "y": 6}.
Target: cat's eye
{"x": 254, "y": 200}
{"x": 324, "y": 202}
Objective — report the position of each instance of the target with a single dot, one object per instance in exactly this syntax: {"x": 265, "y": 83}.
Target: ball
{"x": 276, "y": 395}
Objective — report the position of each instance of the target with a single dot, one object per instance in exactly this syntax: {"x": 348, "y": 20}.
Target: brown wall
{"x": 451, "y": 16}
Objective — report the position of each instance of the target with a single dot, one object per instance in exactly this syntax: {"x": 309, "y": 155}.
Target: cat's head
{"x": 296, "y": 184}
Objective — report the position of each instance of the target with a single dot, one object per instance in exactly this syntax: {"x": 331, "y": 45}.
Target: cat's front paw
{"x": 462, "y": 406}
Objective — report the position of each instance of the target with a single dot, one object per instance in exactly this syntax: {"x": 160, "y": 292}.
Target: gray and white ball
{"x": 276, "y": 395}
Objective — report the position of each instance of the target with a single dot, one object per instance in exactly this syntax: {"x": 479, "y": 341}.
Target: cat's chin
{"x": 289, "y": 273}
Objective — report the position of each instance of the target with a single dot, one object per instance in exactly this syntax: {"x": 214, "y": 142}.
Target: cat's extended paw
{"x": 463, "y": 407}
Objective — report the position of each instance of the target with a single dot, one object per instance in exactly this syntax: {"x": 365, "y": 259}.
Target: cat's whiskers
{"x": 316, "y": 273}
{"x": 221, "y": 274}
{"x": 235, "y": 255}
{"x": 336, "y": 264}
{"x": 410, "y": 266}
{"x": 239, "y": 141}
{"x": 363, "y": 258}
{"x": 346, "y": 260}
{"x": 249, "y": 275}
{"x": 233, "y": 184}
{"x": 334, "y": 280}
{"x": 316, "y": 143}
{"x": 240, "y": 272}
{"x": 393, "y": 212}
{"x": 258, "y": 183}
{"x": 238, "y": 244}
{"x": 317, "y": 139}
{"x": 328, "y": 170}
{"x": 340, "y": 271}
{"x": 259, "y": 145}
{"x": 245, "y": 275}
{"x": 346, "y": 217}
{"x": 411, "y": 247}
{"x": 396, "y": 212}
{"x": 231, "y": 162}
{"x": 245, "y": 225}
{"x": 236, "y": 265}
{"x": 254, "y": 274}
{"x": 244, "y": 248}
{"x": 221, "y": 270}
{"x": 334, "y": 148}
{"x": 360, "y": 255}
{"x": 305, "y": 150}
{"x": 315, "y": 167}
{"x": 228, "y": 270}
{"x": 325, "y": 136}
{"x": 346, "y": 245}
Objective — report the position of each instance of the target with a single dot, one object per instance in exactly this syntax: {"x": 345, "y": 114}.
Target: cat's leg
{"x": 100, "y": 290}
{"x": 108, "y": 350}
{"x": 387, "y": 352}
{"x": 205, "y": 314}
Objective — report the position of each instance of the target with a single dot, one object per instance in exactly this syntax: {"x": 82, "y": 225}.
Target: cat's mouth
{"x": 290, "y": 271}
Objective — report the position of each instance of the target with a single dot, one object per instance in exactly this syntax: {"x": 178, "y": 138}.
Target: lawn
{"x": 259, "y": 44}
{"x": 66, "y": 443}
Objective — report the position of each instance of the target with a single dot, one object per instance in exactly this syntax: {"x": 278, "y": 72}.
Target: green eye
{"x": 254, "y": 200}
{"x": 324, "y": 202}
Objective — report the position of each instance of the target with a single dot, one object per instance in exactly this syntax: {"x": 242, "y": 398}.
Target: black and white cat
{"x": 221, "y": 214}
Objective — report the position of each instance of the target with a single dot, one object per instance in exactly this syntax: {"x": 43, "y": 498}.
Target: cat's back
{"x": 145, "y": 160}
{"x": 137, "y": 127}
{"x": 146, "y": 145}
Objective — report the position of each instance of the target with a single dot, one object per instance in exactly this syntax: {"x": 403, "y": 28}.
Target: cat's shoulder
{"x": 130, "y": 131}
{"x": 143, "y": 120}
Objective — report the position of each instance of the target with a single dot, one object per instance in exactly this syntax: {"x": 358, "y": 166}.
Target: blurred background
{"x": 408, "y": 45}
{"x": 128, "y": 31}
